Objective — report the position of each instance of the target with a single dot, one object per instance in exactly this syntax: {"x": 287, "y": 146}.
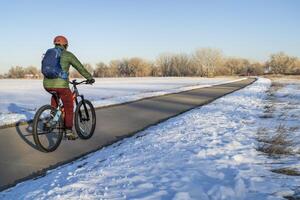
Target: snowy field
{"x": 207, "y": 153}
{"x": 20, "y": 98}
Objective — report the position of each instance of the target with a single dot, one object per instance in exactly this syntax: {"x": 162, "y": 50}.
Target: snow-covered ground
{"x": 207, "y": 153}
{"x": 282, "y": 113}
{"x": 19, "y": 99}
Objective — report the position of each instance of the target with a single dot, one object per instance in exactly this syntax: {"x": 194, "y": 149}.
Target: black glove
{"x": 90, "y": 81}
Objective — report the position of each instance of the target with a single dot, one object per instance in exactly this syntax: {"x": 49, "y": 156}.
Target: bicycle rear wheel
{"x": 47, "y": 135}
{"x": 85, "y": 119}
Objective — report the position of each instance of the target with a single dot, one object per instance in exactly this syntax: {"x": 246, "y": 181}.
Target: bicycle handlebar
{"x": 74, "y": 82}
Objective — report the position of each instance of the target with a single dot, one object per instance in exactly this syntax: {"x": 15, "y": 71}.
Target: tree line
{"x": 205, "y": 62}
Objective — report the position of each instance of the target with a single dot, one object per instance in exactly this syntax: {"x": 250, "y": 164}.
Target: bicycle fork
{"x": 85, "y": 109}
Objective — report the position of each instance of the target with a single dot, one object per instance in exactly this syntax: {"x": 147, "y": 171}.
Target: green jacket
{"x": 66, "y": 59}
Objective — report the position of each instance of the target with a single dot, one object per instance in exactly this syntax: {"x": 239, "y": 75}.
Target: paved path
{"x": 20, "y": 160}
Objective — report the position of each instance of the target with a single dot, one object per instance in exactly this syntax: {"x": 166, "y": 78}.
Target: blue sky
{"x": 101, "y": 30}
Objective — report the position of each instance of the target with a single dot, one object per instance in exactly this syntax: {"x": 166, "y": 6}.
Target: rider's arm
{"x": 79, "y": 67}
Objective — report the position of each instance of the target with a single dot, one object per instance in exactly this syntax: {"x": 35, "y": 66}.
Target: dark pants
{"x": 66, "y": 96}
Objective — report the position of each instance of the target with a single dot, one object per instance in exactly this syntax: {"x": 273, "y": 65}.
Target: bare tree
{"x": 257, "y": 68}
{"x": 88, "y": 67}
{"x": 295, "y": 67}
{"x": 164, "y": 63}
{"x": 232, "y": 65}
{"x": 280, "y": 63}
{"x": 237, "y": 66}
{"x": 16, "y": 72}
{"x": 104, "y": 70}
{"x": 183, "y": 65}
{"x": 124, "y": 69}
{"x": 176, "y": 65}
{"x": 139, "y": 67}
{"x": 32, "y": 72}
{"x": 114, "y": 67}
{"x": 100, "y": 70}
{"x": 75, "y": 74}
{"x": 207, "y": 60}
{"x": 155, "y": 70}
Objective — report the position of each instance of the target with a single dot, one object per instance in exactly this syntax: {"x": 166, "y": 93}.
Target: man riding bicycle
{"x": 60, "y": 84}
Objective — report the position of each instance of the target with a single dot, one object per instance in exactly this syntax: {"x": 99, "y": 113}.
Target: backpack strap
{"x": 63, "y": 74}
{"x": 58, "y": 52}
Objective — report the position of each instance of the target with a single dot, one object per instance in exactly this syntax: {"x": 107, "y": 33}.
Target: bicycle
{"x": 48, "y": 122}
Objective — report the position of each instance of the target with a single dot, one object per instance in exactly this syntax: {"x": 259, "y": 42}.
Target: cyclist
{"x": 60, "y": 85}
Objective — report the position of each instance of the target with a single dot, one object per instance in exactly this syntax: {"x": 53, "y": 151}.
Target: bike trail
{"x": 21, "y": 161}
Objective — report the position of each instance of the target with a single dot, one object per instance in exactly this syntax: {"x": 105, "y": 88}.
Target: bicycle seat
{"x": 53, "y": 93}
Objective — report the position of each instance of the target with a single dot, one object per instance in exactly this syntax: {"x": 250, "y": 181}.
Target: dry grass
{"x": 287, "y": 171}
{"x": 276, "y": 145}
{"x": 262, "y": 131}
{"x": 268, "y": 111}
{"x": 274, "y": 150}
{"x": 294, "y": 128}
{"x": 275, "y": 142}
{"x": 270, "y": 107}
{"x": 275, "y": 86}
{"x": 293, "y": 197}
{"x": 266, "y": 116}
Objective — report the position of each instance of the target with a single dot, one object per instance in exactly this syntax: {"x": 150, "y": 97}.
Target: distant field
{"x": 288, "y": 78}
{"x": 20, "y": 97}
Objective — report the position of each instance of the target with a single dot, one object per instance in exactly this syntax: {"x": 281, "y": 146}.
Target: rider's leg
{"x": 66, "y": 96}
{"x": 54, "y": 102}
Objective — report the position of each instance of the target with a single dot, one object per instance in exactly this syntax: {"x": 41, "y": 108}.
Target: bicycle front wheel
{"x": 85, "y": 119}
{"x": 47, "y": 135}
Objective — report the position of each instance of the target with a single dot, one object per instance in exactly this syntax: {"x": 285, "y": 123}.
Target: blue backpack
{"x": 51, "y": 64}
